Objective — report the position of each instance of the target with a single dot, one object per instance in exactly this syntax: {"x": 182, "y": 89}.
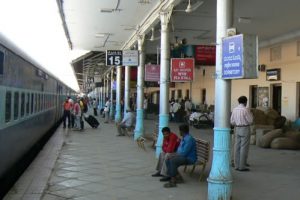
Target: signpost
{"x": 182, "y": 69}
{"x": 152, "y": 73}
{"x": 114, "y": 57}
{"x": 239, "y": 57}
{"x": 130, "y": 58}
{"x": 124, "y": 58}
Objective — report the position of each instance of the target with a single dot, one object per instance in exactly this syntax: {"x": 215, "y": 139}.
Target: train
{"x": 31, "y": 101}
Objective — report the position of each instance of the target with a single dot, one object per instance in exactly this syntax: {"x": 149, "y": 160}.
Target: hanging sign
{"x": 152, "y": 73}
{"x": 123, "y": 58}
{"x": 114, "y": 57}
{"x": 182, "y": 69}
{"x": 130, "y": 58}
{"x": 239, "y": 57}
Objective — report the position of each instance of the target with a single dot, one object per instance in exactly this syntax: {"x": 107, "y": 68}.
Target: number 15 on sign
{"x": 113, "y": 57}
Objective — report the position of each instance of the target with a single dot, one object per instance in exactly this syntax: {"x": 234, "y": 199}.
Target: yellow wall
{"x": 290, "y": 76}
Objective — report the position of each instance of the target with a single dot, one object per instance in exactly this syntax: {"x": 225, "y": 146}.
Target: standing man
{"x": 170, "y": 144}
{"x": 106, "y": 110}
{"x": 145, "y": 107}
{"x": 241, "y": 119}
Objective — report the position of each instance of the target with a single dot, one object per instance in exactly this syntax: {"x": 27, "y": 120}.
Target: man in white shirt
{"x": 241, "y": 119}
{"x": 106, "y": 110}
{"x": 128, "y": 121}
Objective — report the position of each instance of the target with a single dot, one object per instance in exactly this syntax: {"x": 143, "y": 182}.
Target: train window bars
{"x": 1, "y": 62}
{"x": 16, "y": 105}
{"x": 22, "y": 104}
{"x": 8, "y": 106}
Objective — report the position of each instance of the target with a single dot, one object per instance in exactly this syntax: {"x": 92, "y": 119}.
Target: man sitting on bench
{"x": 185, "y": 155}
{"x": 127, "y": 122}
{"x": 170, "y": 144}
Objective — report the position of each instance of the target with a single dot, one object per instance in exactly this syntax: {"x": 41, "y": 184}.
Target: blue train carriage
{"x": 30, "y": 103}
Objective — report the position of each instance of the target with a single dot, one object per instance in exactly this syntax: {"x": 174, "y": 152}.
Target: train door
{"x": 276, "y": 97}
{"x": 203, "y": 96}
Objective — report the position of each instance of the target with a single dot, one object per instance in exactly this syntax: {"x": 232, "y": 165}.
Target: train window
{"x": 1, "y": 62}
{"x": 36, "y": 103}
{"x": 16, "y": 105}
{"x": 32, "y": 98}
{"x": 7, "y": 106}
{"x": 27, "y": 103}
{"x": 22, "y": 104}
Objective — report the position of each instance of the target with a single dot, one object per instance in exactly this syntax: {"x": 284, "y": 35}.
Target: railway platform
{"x": 96, "y": 164}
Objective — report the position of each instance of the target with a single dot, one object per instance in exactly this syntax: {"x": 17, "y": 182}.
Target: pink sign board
{"x": 152, "y": 72}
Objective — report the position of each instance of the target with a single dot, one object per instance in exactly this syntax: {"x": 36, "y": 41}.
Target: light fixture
{"x": 152, "y": 34}
{"x": 191, "y": 8}
{"x": 100, "y": 35}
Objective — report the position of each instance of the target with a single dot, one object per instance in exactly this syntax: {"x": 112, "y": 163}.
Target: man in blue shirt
{"x": 185, "y": 155}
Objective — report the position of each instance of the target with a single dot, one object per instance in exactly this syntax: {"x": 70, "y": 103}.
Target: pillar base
{"x": 118, "y": 113}
{"x": 163, "y": 122}
{"x": 139, "y": 126}
{"x": 220, "y": 178}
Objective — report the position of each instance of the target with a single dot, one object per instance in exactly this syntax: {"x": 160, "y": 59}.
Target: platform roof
{"x": 98, "y": 26}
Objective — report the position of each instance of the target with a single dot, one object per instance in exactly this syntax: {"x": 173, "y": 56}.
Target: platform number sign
{"x": 114, "y": 57}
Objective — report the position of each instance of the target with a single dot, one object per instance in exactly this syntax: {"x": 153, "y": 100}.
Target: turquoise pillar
{"x": 111, "y": 110}
{"x": 139, "y": 127}
{"x": 118, "y": 94}
{"x": 163, "y": 122}
{"x": 164, "y": 78}
{"x": 220, "y": 179}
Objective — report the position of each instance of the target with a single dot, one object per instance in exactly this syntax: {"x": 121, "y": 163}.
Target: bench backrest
{"x": 203, "y": 148}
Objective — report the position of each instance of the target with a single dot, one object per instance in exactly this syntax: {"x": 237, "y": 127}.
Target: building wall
{"x": 289, "y": 63}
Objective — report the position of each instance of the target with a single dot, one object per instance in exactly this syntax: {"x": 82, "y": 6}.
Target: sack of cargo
{"x": 265, "y": 140}
{"x": 284, "y": 143}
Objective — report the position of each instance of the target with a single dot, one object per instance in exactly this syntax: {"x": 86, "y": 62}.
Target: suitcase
{"x": 92, "y": 121}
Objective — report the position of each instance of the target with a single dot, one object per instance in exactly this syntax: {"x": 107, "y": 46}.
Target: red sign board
{"x": 182, "y": 69}
{"x": 205, "y": 55}
{"x": 152, "y": 72}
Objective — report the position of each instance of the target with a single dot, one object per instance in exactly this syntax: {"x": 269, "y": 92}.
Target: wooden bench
{"x": 203, "y": 149}
{"x": 129, "y": 131}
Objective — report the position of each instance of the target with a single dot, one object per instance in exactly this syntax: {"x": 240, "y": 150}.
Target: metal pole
{"x": 220, "y": 178}
{"x": 118, "y": 94}
{"x": 139, "y": 127}
{"x": 111, "y": 113}
{"x": 127, "y": 89}
{"x": 164, "y": 78}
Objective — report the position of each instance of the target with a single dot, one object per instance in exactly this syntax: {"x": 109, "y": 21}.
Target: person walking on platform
{"x": 170, "y": 144}
{"x": 77, "y": 113}
{"x": 95, "y": 105}
{"x": 241, "y": 119}
{"x": 185, "y": 155}
{"x": 67, "y": 114}
{"x": 106, "y": 110}
{"x": 127, "y": 122}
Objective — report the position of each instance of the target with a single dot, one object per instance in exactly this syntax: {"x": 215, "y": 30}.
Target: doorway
{"x": 203, "y": 98}
{"x": 253, "y": 96}
{"x": 276, "y": 97}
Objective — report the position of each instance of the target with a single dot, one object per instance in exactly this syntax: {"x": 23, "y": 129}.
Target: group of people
{"x": 175, "y": 153}
{"x": 179, "y": 109}
{"x": 73, "y": 112}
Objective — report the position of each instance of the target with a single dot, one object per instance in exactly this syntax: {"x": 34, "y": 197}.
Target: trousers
{"x": 241, "y": 146}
